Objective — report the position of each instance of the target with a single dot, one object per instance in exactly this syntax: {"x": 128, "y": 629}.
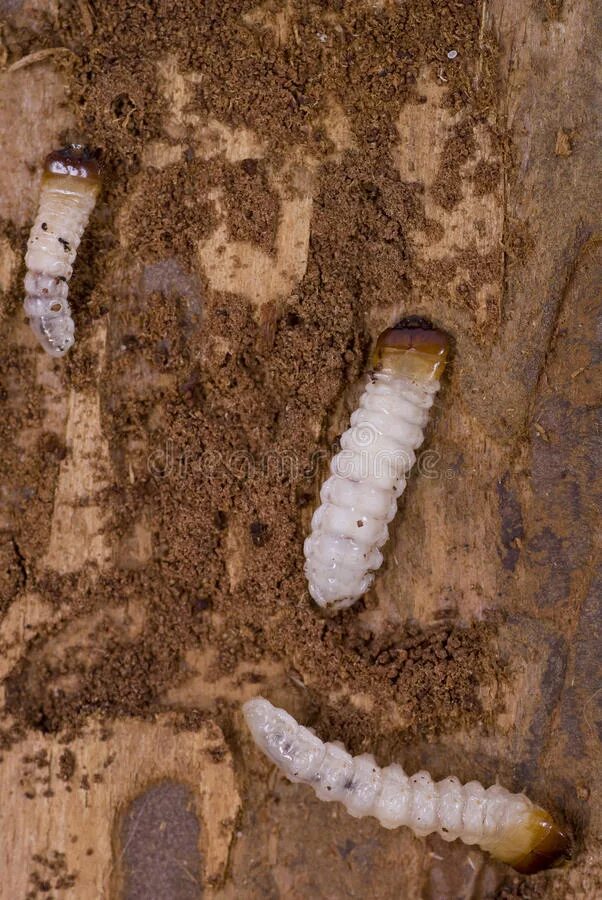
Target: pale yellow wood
{"x": 78, "y": 532}
{"x": 42, "y": 814}
{"x": 242, "y": 268}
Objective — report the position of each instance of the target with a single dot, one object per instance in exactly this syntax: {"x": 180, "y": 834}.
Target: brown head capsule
{"x": 74, "y": 160}
{"x": 539, "y": 844}
{"x": 414, "y": 349}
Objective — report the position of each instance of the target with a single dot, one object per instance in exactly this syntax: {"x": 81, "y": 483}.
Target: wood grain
{"x": 62, "y": 808}
{"x": 501, "y": 516}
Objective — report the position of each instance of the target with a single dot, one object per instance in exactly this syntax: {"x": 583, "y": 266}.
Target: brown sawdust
{"x": 225, "y": 414}
{"x": 251, "y": 204}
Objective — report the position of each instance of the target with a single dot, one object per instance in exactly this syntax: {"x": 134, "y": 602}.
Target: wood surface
{"x": 80, "y": 806}
{"x": 508, "y": 505}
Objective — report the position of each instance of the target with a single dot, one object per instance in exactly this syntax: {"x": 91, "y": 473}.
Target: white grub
{"x": 70, "y": 186}
{"x": 368, "y": 475}
{"x": 509, "y": 826}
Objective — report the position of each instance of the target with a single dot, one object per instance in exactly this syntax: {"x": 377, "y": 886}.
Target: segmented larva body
{"x": 369, "y": 474}
{"x": 509, "y": 826}
{"x": 70, "y": 186}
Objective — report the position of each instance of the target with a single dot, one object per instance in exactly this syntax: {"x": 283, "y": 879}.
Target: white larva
{"x": 368, "y": 475}
{"x": 509, "y": 826}
{"x": 70, "y": 186}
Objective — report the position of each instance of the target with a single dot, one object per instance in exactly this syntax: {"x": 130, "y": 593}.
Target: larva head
{"x": 74, "y": 161}
{"x": 537, "y": 844}
{"x": 413, "y": 348}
